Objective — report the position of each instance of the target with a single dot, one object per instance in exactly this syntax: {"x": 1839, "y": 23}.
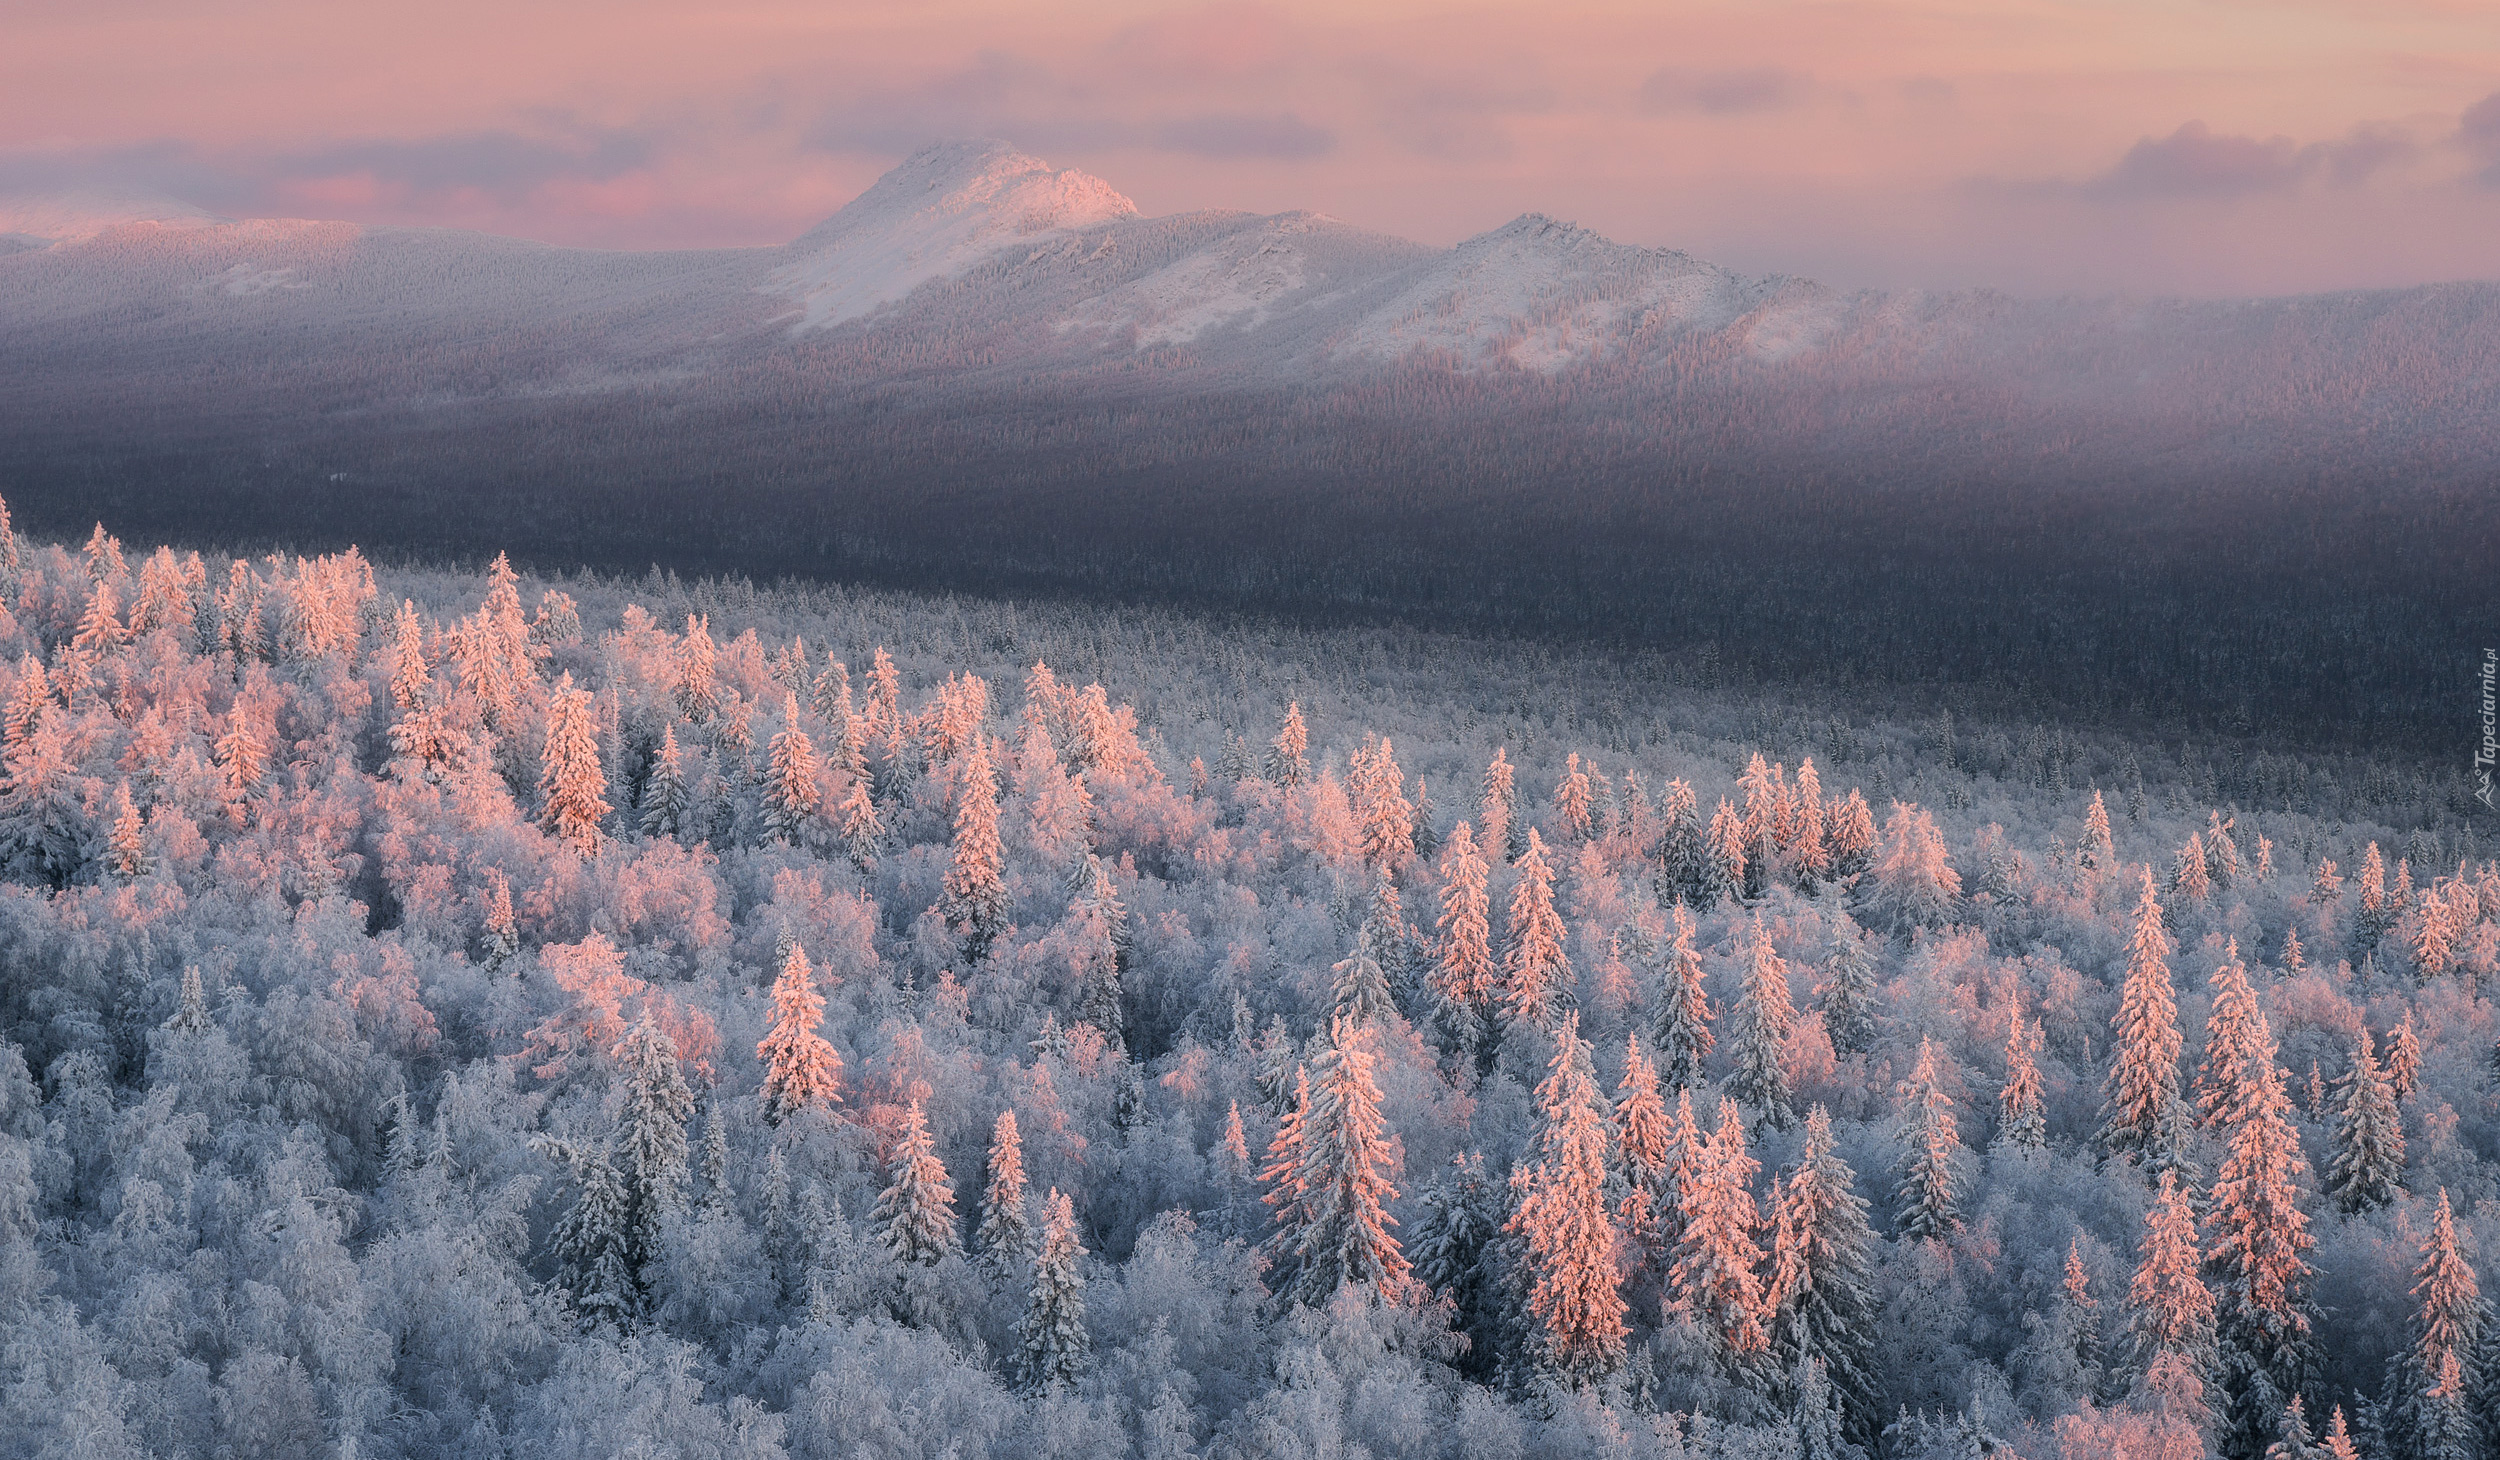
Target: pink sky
{"x": 2208, "y": 146}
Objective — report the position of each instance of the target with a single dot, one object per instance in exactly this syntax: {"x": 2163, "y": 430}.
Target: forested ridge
{"x": 444, "y": 1014}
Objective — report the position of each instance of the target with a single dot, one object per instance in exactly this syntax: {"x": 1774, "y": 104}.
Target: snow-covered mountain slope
{"x": 1544, "y": 295}
{"x": 974, "y": 265}
{"x": 943, "y": 211}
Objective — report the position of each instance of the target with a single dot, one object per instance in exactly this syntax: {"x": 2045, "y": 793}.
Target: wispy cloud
{"x": 1723, "y": 93}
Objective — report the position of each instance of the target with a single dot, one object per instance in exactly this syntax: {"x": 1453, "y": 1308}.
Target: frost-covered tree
{"x": 1574, "y": 1295}
{"x": 1915, "y": 884}
{"x": 1721, "y": 876}
{"x": 1360, "y": 989}
{"x": 2404, "y": 1058}
{"x": 592, "y": 1243}
{"x": 1005, "y": 1238}
{"x": 973, "y": 899}
{"x": 1684, "y": 1037}
{"x": 2096, "y": 853}
{"x": 2257, "y": 1233}
{"x": 1463, "y": 971}
{"x": 650, "y": 1152}
{"x": 2170, "y": 1311}
{"x": 2427, "y": 1405}
{"x": 1338, "y": 1233}
{"x": 790, "y": 791}
{"x": 1715, "y": 1276}
{"x": 1383, "y": 817}
{"x": 1536, "y": 972}
{"x": 1762, "y": 1020}
{"x": 1852, "y": 835}
{"x": 1574, "y": 802}
{"x": 2021, "y": 1120}
{"x": 915, "y": 1215}
{"x": 1931, "y": 1151}
{"x": 1821, "y": 1290}
{"x": 125, "y": 846}
{"x": 666, "y": 795}
{"x": 1287, "y": 762}
{"x": 1057, "y": 1346}
{"x": 2369, "y": 1165}
{"x": 1645, "y": 1137}
{"x": 1498, "y": 808}
{"x": 571, "y": 783}
{"x": 801, "y": 1070}
{"x": 2144, "y": 1075}
{"x": 1846, "y": 996}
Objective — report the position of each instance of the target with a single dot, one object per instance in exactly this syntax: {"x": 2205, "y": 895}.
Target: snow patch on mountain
{"x": 1241, "y": 281}
{"x": 1543, "y": 295}
{"x": 85, "y": 212}
{"x": 940, "y": 213}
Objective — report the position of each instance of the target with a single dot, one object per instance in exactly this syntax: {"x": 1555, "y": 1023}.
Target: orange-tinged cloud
{"x": 2199, "y": 145}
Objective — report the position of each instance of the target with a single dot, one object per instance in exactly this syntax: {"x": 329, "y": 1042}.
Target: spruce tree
{"x": 1461, "y": 1218}
{"x": 594, "y": 1252}
{"x": 651, "y": 1141}
{"x": 1679, "y": 846}
{"x": 1821, "y": 1289}
{"x": 1360, "y": 989}
{"x": 1846, "y": 996}
{"x": 801, "y": 1070}
{"x": 2427, "y": 1386}
{"x": 1463, "y": 972}
{"x": 2097, "y": 853}
{"x": 2404, "y": 1058}
{"x": 1536, "y": 974}
{"x": 1573, "y": 802}
{"x": 1056, "y": 1344}
{"x": 2257, "y": 1230}
{"x": 915, "y": 1216}
{"x": 790, "y": 792}
{"x": 1809, "y": 851}
{"x": 863, "y": 833}
{"x": 1286, "y": 763}
{"x": 1931, "y": 1150}
{"x": 1684, "y": 1037}
{"x": 1762, "y": 1020}
{"x": 1645, "y": 1136}
{"x": 666, "y": 795}
{"x": 1005, "y": 1237}
{"x": 125, "y": 847}
{"x": 1499, "y": 808}
{"x": 1852, "y": 836}
{"x": 973, "y": 898}
{"x": 573, "y": 785}
{"x": 1715, "y": 1274}
{"x": 2144, "y": 1075}
{"x": 1383, "y": 817}
{"x": 2170, "y": 1311}
{"x": 1573, "y": 1296}
{"x": 2369, "y": 1165}
{"x": 1342, "y": 1234}
{"x": 1721, "y": 876}
{"x": 2021, "y": 1120}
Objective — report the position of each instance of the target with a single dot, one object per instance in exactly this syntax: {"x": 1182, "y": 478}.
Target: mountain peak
{"x": 935, "y": 214}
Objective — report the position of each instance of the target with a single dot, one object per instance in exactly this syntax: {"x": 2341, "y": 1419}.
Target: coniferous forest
{"x": 443, "y": 1014}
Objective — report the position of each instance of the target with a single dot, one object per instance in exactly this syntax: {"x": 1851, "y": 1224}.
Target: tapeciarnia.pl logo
{"x": 2485, "y": 753}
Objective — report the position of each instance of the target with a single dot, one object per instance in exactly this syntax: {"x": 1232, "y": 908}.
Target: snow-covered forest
{"x": 448, "y": 1015}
